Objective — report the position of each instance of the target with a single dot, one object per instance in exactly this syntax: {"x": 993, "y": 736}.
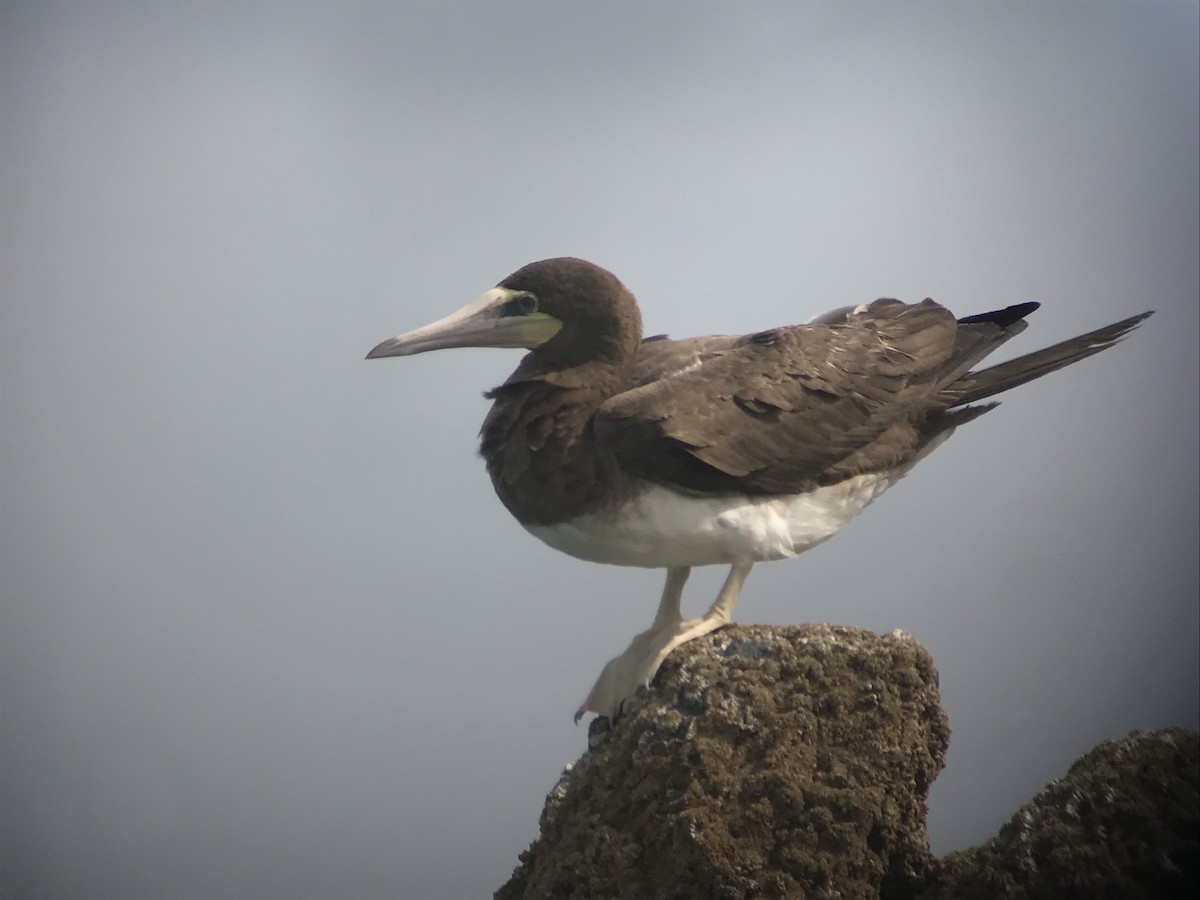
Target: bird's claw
{"x": 622, "y": 676}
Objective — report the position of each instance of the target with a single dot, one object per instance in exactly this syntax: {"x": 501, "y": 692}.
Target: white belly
{"x": 662, "y": 528}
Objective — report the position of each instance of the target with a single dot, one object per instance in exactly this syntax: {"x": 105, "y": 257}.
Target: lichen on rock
{"x": 763, "y": 762}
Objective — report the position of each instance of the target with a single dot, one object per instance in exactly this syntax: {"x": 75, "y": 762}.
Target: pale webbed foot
{"x": 620, "y": 678}
{"x": 624, "y": 674}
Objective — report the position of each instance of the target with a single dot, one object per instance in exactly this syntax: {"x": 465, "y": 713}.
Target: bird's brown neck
{"x": 539, "y": 447}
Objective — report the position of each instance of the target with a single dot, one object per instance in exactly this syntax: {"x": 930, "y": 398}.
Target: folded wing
{"x": 789, "y": 409}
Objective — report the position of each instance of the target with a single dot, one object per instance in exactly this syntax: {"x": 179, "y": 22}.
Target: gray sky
{"x": 267, "y": 632}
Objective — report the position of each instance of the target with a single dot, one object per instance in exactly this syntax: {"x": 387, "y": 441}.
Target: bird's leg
{"x": 684, "y": 630}
{"x": 637, "y": 665}
{"x": 620, "y": 678}
{"x": 669, "y": 605}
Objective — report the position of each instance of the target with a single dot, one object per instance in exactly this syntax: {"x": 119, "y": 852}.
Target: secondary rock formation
{"x": 1122, "y": 824}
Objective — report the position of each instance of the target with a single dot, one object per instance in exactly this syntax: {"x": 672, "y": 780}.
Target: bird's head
{"x": 566, "y": 310}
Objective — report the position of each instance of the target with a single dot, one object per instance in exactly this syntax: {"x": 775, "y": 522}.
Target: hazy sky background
{"x": 268, "y": 633}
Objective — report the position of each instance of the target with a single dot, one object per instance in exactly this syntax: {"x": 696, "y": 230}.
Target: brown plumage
{"x": 778, "y": 412}
{"x": 730, "y": 449}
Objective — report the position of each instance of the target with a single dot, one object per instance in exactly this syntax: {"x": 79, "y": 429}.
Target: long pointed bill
{"x": 484, "y": 323}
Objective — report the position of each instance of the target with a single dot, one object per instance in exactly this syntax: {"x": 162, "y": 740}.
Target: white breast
{"x": 662, "y": 528}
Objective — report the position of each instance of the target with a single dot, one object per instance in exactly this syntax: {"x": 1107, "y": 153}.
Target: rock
{"x": 763, "y": 762}
{"x": 795, "y": 762}
{"x": 1123, "y": 823}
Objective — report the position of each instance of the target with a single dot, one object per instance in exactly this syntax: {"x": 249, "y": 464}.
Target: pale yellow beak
{"x": 488, "y": 322}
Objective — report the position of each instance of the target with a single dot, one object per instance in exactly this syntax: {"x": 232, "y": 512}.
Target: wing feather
{"x": 779, "y": 410}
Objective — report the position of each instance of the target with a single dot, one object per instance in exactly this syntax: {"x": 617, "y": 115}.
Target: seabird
{"x": 730, "y": 449}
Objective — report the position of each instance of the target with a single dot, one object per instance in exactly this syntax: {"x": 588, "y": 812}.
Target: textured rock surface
{"x": 764, "y": 762}
{"x": 1123, "y": 823}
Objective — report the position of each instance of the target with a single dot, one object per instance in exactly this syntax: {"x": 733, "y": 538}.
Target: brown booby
{"x": 714, "y": 450}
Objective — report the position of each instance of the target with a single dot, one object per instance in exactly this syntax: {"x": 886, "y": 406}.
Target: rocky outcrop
{"x": 764, "y": 762}
{"x": 796, "y": 762}
{"x": 1122, "y": 824}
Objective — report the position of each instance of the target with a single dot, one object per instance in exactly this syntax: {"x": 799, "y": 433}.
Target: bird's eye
{"x": 521, "y": 305}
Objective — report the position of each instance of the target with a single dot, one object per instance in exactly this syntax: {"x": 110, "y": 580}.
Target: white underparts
{"x": 662, "y": 528}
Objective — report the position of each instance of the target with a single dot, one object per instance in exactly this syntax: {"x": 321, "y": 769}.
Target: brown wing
{"x": 788, "y": 409}
{"x": 660, "y": 358}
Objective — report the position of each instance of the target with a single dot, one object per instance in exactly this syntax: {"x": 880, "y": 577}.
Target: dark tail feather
{"x": 1002, "y": 317}
{"x": 988, "y": 382}
{"x": 980, "y": 335}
